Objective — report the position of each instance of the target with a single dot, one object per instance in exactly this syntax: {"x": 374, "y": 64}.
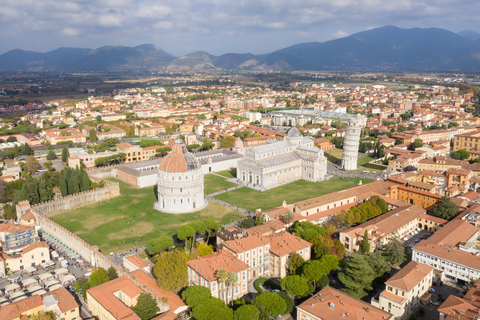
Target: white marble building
{"x": 180, "y": 182}
{"x": 350, "y": 144}
{"x": 279, "y": 162}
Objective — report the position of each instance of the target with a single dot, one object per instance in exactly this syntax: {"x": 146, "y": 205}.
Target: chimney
{"x": 332, "y": 305}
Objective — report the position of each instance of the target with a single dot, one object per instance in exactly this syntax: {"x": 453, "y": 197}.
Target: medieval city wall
{"x": 81, "y": 199}
{"x": 104, "y": 172}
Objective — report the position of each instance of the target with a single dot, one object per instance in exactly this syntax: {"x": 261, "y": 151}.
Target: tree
{"x": 48, "y": 164}
{"x": 98, "y": 276}
{"x": 418, "y": 143}
{"x": 378, "y": 264}
{"x": 32, "y": 164}
{"x": 49, "y": 315}
{"x": 295, "y": 285}
{"x": 356, "y": 276}
{"x": 204, "y": 249}
{"x": 289, "y": 302}
{"x": 270, "y": 304}
{"x": 196, "y": 295}
{"x": 295, "y": 263}
{"x": 314, "y": 270}
{"x": 453, "y": 124}
{"x": 247, "y": 223}
{"x": 393, "y": 252}
{"x": 288, "y": 217}
{"x": 146, "y": 307}
{"x": 445, "y": 208}
{"x": 365, "y": 246}
{"x": 460, "y": 154}
{"x": 227, "y": 142}
{"x": 325, "y": 244}
{"x": 307, "y": 230}
{"x": 171, "y": 270}
{"x": 51, "y": 155}
{"x": 212, "y": 226}
{"x": 159, "y": 244}
{"x": 81, "y": 286}
{"x": 12, "y": 139}
{"x": 65, "y": 154}
{"x": 112, "y": 273}
{"x": 99, "y": 118}
{"x": 207, "y": 145}
{"x": 184, "y": 232}
{"x": 222, "y": 276}
{"x": 260, "y": 219}
{"x": 246, "y": 312}
{"x": 212, "y": 309}
{"x": 232, "y": 279}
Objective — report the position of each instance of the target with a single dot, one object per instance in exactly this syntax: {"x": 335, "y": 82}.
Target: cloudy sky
{"x": 215, "y": 26}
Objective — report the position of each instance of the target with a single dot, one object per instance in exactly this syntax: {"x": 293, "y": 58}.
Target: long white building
{"x": 275, "y": 163}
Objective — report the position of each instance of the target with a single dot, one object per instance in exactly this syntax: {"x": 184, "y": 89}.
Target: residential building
{"x": 439, "y": 163}
{"x": 467, "y": 141}
{"x": 34, "y": 254}
{"x": 409, "y": 195}
{"x": 14, "y": 236}
{"x": 203, "y": 271}
{"x": 55, "y": 136}
{"x": 405, "y": 289}
{"x": 465, "y": 308}
{"x": 333, "y": 304}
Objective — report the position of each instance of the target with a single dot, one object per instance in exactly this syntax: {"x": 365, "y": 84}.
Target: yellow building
{"x": 34, "y": 254}
{"x": 467, "y": 141}
{"x": 440, "y": 163}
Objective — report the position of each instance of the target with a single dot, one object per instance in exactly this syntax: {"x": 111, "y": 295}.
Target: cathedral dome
{"x": 238, "y": 143}
{"x": 294, "y": 133}
{"x": 179, "y": 159}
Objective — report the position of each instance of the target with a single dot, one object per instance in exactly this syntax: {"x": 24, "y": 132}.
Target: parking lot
{"x": 413, "y": 240}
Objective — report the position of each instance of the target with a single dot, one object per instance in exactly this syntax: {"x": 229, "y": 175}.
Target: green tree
{"x": 204, "y": 249}
{"x": 196, "y": 295}
{"x": 295, "y": 285}
{"x": 146, "y": 307}
{"x": 365, "y": 246}
{"x": 247, "y": 223}
{"x": 93, "y": 134}
{"x": 81, "y": 286}
{"x": 232, "y": 279}
{"x": 222, "y": 276}
{"x": 418, "y": 143}
{"x": 460, "y": 154}
{"x": 356, "y": 276}
{"x": 49, "y": 315}
{"x": 445, "y": 208}
{"x": 48, "y": 164}
{"x": 159, "y": 244}
{"x": 260, "y": 219}
{"x": 51, "y": 155}
{"x": 98, "y": 276}
{"x": 246, "y": 312}
{"x": 65, "y": 154}
{"x": 307, "y": 230}
{"x": 453, "y": 124}
{"x": 171, "y": 270}
{"x": 32, "y": 164}
{"x": 393, "y": 252}
{"x": 326, "y": 244}
{"x": 211, "y": 225}
{"x": 207, "y": 145}
{"x": 295, "y": 263}
{"x": 227, "y": 142}
{"x": 288, "y": 217}
{"x": 212, "y": 309}
{"x": 112, "y": 273}
{"x": 185, "y": 232}
{"x": 379, "y": 266}
{"x": 270, "y": 304}
{"x": 288, "y": 301}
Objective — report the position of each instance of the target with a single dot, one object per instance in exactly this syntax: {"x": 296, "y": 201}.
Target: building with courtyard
{"x": 180, "y": 182}
{"x": 279, "y": 162}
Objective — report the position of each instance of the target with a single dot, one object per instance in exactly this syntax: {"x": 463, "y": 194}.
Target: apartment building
{"x": 458, "y": 177}
{"x": 59, "y": 301}
{"x": 136, "y": 153}
{"x": 203, "y": 271}
{"x": 467, "y": 141}
{"x": 409, "y": 195}
{"x": 452, "y": 250}
{"x": 397, "y": 223}
{"x": 465, "y": 308}
{"x": 15, "y": 236}
{"x": 440, "y": 163}
{"x": 55, "y": 136}
{"x": 34, "y": 254}
{"x": 267, "y": 255}
{"x": 144, "y": 128}
{"x": 333, "y": 304}
{"x": 104, "y": 131}
{"x": 404, "y": 290}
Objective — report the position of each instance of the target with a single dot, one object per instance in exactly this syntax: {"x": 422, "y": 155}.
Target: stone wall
{"x": 53, "y": 207}
{"x": 104, "y": 172}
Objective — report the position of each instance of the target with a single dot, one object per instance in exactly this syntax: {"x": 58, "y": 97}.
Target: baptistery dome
{"x": 180, "y": 182}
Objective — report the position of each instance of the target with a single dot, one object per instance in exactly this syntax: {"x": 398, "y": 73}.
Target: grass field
{"x": 295, "y": 191}
{"x": 131, "y": 217}
{"x": 333, "y": 155}
{"x": 232, "y": 173}
{"x": 363, "y": 160}
{"x": 357, "y": 180}
{"x": 215, "y": 183}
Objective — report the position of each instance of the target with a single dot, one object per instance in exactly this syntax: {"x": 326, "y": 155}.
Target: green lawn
{"x": 333, "y": 155}
{"x": 232, "y": 173}
{"x": 103, "y": 223}
{"x": 357, "y": 180}
{"x": 295, "y": 191}
{"x": 215, "y": 183}
{"x": 363, "y": 160}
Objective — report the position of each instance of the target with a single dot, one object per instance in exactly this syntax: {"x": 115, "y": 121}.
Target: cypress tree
{"x": 365, "y": 246}
{"x": 85, "y": 182}
{"x": 63, "y": 185}
{"x": 65, "y": 154}
{"x": 42, "y": 191}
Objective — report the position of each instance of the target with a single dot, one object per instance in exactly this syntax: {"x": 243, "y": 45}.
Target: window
{"x": 267, "y": 256}
{"x": 214, "y": 286}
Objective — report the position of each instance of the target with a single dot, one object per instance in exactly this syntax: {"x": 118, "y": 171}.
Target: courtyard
{"x": 130, "y": 221}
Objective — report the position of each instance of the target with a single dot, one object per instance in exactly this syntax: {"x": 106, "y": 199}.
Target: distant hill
{"x": 382, "y": 49}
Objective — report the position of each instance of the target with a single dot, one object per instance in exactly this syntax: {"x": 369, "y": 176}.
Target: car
{"x": 432, "y": 290}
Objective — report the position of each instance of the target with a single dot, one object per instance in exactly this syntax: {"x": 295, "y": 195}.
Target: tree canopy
{"x": 394, "y": 252}
{"x": 227, "y": 142}
{"x": 356, "y": 276}
{"x": 196, "y": 295}
{"x": 307, "y": 230}
{"x": 171, "y": 270}
{"x": 295, "y": 285}
{"x": 146, "y": 307}
{"x": 365, "y": 245}
{"x": 270, "y": 304}
{"x": 98, "y": 276}
{"x": 159, "y": 244}
{"x": 246, "y": 312}
{"x": 295, "y": 263}
{"x": 445, "y": 208}
{"x": 212, "y": 309}
{"x": 461, "y": 154}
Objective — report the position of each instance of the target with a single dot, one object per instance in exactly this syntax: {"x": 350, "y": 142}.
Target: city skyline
{"x": 180, "y": 27}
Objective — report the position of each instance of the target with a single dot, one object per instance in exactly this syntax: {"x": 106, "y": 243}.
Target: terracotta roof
{"x": 10, "y": 228}
{"x": 179, "y": 159}
{"x": 136, "y": 261}
{"x": 66, "y": 301}
{"x": 332, "y": 304}
{"x": 207, "y": 266}
{"x": 35, "y": 245}
{"x": 28, "y": 216}
{"x": 15, "y": 310}
{"x": 284, "y": 243}
{"x": 409, "y": 276}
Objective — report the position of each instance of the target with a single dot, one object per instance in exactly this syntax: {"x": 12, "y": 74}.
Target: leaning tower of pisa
{"x": 350, "y": 144}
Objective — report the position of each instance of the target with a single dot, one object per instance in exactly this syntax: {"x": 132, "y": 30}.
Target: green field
{"x": 363, "y": 160}
{"x": 215, "y": 183}
{"x": 333, "y": 155}
{"x": 114, "y": 225}
{"x": 295, "y": 191}
{"x": 232, "y": 173}
{"x": 357, "y": 180}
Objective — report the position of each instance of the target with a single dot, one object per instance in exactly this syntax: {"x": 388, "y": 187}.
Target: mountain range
{"x": 388, "y": 48}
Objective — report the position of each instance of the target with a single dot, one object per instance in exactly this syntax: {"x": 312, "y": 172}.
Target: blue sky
{"x": 216, "y": 26}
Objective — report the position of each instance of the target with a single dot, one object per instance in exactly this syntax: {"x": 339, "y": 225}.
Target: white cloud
{"x": 70, "y": 31}
{"x": 340, "y": 34}
{"x": 163, "y": 25}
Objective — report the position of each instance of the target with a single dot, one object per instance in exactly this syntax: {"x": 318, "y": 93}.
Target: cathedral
{"x": 280, "y": 162}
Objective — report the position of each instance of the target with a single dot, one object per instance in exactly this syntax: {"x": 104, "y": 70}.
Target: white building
{"x": 267, "y": 166}
{"x": 180, "y": 182}
{"x": 350, "y": 144}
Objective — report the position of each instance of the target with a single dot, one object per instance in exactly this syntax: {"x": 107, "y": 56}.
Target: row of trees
{"x": 72, "y": 181}
{"x": 15, "y": 151}
{"x": 113, "y": 159}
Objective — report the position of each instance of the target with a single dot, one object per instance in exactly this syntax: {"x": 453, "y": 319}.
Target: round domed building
{"x": 180, "y": 182}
